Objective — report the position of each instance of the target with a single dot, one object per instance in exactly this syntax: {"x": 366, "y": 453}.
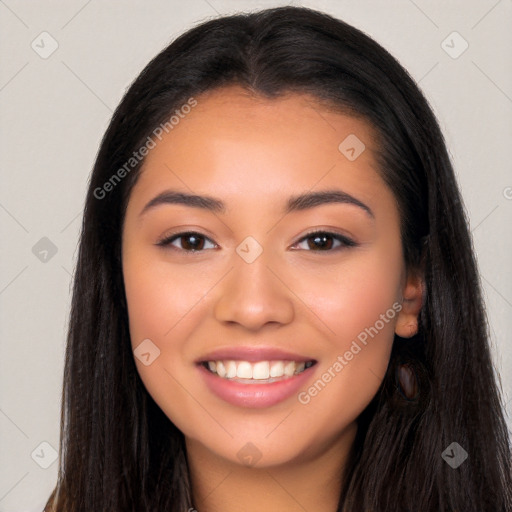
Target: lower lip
{"x": 254, "y": 395}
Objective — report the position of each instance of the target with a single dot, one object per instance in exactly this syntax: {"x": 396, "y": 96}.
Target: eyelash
{"x": 344, "y": 241}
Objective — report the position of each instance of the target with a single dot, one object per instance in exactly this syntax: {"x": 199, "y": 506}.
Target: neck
{"x": 219, "y": 484}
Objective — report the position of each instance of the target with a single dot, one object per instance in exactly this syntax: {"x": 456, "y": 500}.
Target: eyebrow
{"x": 295, "y": 203}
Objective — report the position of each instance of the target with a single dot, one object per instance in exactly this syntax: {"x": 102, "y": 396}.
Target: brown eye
{"x": 190, "y": 241}
{"x": 322, "y": 242}
{"x": 325, "y": 241}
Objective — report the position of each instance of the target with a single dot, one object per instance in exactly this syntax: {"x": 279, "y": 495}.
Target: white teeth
{"x": 277, "y": 369}
{"x": 244, "y": 370}
{"x": 261, "y": 370}
{"x": 230, "y": 369}
{"x": 221, "y": 371}
{"x": 289, "y": 368}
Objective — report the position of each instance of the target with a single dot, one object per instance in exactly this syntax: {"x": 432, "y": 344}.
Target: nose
{"x": 253, "y": 295}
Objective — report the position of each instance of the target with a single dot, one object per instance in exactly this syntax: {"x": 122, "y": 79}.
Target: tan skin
{"x": 253, "y": 154}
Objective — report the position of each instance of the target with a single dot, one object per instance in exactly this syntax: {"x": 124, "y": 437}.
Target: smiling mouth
{"x": 258, "y": 372}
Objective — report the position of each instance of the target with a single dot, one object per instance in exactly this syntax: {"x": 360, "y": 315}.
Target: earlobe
{"x": 407, "y": 321}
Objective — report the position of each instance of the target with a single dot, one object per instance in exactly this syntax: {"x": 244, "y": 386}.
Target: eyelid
{"x": 345, "y": 240}
{"x": 168, "y": 238}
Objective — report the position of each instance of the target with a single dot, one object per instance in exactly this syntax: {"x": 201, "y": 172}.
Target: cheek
{"x": 354, "y": 295}
{"x": 159, "y": 296}
{"x": 163, "y": 307}
{"x": 358, "y": 307}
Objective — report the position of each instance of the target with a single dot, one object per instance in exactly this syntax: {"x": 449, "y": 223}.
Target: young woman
{"x": 276, "y": 303}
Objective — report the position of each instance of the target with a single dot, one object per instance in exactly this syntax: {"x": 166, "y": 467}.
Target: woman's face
{"x": 254, "y": 287}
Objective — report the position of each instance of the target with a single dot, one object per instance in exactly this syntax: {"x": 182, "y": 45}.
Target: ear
{"x": 407, "y": 321}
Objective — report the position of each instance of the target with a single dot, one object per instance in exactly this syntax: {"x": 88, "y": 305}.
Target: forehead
{"x": 235, "y": 144}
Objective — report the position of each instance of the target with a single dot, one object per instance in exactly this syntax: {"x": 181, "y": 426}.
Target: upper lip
{"x": 253, "y": 354}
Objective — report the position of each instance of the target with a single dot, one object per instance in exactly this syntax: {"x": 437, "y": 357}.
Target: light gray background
{"x": 54, "y": 112}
